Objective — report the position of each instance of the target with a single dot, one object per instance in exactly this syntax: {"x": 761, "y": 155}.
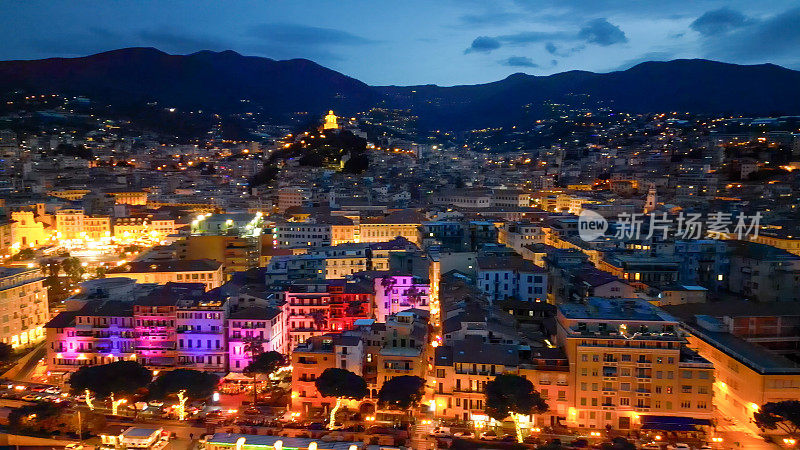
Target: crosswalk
{"x": 420, "y": 437}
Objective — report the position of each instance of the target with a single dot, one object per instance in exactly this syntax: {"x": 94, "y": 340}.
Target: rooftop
{"x": 192, "y": 265}
{"x": 615, "y": 309}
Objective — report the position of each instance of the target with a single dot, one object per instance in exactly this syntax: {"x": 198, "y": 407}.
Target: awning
{"x": 672, "y": 423}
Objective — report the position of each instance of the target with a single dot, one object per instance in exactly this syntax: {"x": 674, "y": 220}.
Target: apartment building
{"x": 464, "y": 367}
{"x": 266, "y": 325}
{"x": 316, "y": 307}
{"x": 377, "y": 351}
{"x": 100, "y": 332}
{"x": 204, "y": 271}
{"x": 311, "y": 358}
{"x": 630, "y": 366}
{"x": 23, "y": 306}
{"x": 395, "y": 292}
{"x": 75, "y": 224}
{"x": 503, "y": 277}
{"x": 200, "y": 331}
{"x": 404, "y": 223}
{"x": 518, "y": 235}
{"x": 747, "y": 375}
{"x": 301, "y": 234}
{"x": 764, "y": 273}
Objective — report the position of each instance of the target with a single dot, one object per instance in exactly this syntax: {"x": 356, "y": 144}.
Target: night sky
{"x": 417, "y": 41}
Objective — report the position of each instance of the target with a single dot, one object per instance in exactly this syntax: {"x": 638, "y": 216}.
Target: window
{"x": 624, "y": 401}
{"x": 686, "y": 404}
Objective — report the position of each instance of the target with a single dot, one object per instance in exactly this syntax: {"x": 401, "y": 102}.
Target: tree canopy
{"x": 120, "y": 377}
{"x": 341, "y": 383}
{"x": 197, "y": 384}
{"x": 6, "y": 352}
{"x": 512, "y": 394}
{"x": 784, "y": 416}
{"x": 402, "y": 392}
{"x": 265, "y": 363}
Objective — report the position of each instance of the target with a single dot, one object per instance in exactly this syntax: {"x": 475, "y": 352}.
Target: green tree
{"x": 119, "y": 378}
{"x": 401, "y": 392}
{"x": 341, "y": 384}
{"x": 512, "y": 396}
{"x": 73, "y": 268}
{"x": 263, "y": 363}
{"x": 6, "y": 352}
{"x": 196, "y": 384}
{"x": 784, "y": 416}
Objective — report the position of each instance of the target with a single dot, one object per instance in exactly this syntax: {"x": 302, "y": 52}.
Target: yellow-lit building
{"x": 69, "y": 194}
{"x": 129, "y": 197}
{"x": 330, "y": 121}
{"x": 203, "y": 271}
{"x": 747, "y": 375}
{"x": 97, "y": 227}
{"x": 783, "y": 241}
{"x": 26, "y": 231}
{"x": 631, "y": 368}
{"x": 403, "y": 223}
{"x": 463, "y": 368}
{"x": 23, "y": 306}
{"x": 138, "y": 226}
{"x": 69, "y": 223}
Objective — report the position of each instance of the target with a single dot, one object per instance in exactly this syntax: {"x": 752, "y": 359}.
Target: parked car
{"x": 679, "y": 446}
{"x": 440, "y": 433}
{"x": 489, "y": 436}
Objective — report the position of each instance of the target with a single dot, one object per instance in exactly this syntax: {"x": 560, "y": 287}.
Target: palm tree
{"x": 254, "y": 346}
{"x": 388, "y": 282}
{"x": 414, "y": 296}
{"x": 319, "y": 319}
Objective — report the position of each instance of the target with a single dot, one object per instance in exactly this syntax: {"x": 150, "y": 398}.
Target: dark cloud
{"x": 487, "y": 19}
{"x": 483, "y": 44}
{"x": 602, "y": 32}
{"x": 555, "y": 50}
{"x": 718, "y": 21}
{"x": 776, "y": 37}
{"x": 518, "y": 61}
{"x": 302, "y": 35}
{"x": 529, "y": 37}
{"x": 598, "y": 31}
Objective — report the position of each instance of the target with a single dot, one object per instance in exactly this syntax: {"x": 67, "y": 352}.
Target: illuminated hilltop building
{"x": 330, "y": 122}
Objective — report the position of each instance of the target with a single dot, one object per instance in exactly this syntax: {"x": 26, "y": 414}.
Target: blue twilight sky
{"x": 445, "y": 42}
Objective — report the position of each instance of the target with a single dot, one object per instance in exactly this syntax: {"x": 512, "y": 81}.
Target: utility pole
{"x": 80, "y": 428}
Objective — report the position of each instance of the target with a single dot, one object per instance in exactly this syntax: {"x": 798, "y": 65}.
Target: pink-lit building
{"x": 99, "y": 333}
{"x": 265, "y": 325}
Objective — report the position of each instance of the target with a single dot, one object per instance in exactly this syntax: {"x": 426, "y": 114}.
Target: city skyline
{"x": 450, "y": 43}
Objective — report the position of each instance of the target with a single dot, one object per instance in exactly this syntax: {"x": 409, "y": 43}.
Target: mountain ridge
{"x": 227, "y": 81}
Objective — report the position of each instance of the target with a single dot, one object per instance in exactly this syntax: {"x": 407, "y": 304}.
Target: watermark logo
{"x": 591, "y": 225}
{"x": 717, "y": 225}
